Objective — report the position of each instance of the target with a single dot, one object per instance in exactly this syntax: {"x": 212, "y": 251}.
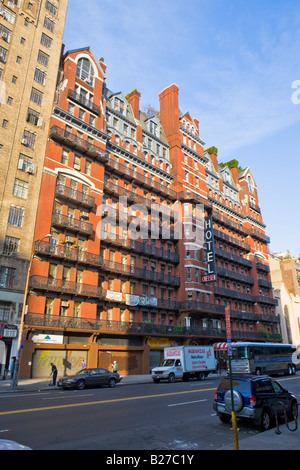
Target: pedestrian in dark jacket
{"x": 53, "y": 373}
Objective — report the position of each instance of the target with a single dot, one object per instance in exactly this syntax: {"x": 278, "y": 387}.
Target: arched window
{"x": 85, "y": 71}
{"x": 288, "y": 324}
{"x": 250, "y": 183}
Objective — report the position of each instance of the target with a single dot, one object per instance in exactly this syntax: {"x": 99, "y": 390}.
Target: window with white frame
{"x": 85, "y": 71}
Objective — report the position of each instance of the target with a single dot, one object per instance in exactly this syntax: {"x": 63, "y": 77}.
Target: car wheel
{"x": 265, "y": 420}
{"x": 200, "y": 376}
{"x": 171, "y": 378}
{"x": 112, "y": 383}
{"x": 225, "y": 418}
{"x": 80, "y": 384}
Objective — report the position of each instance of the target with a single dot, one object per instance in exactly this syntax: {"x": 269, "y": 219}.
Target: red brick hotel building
{"x": 99, "y": 291}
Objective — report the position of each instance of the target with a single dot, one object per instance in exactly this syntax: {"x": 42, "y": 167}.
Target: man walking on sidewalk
{"x": 53, "y": 373}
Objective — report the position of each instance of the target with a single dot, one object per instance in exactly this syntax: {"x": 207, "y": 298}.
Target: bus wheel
{"x": 258, "y": 371}
{"x": 290, "y": 370}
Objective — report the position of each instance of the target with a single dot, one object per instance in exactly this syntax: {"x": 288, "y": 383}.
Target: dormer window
{"x": 119, "y": 106}
{"x": 85, "y": 71}
{"x": 154, "y": 128}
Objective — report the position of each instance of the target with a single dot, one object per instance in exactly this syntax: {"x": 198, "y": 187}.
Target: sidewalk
{"x": 269, "y": 440}
{"x": 31, "y": 385}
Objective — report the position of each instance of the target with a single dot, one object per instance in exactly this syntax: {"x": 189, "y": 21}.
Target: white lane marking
{"x": 187, "y": 402}
{"x": 23, "y": 395}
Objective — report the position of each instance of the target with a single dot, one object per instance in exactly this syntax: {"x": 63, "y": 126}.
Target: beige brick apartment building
{"x": 31, "y": 35}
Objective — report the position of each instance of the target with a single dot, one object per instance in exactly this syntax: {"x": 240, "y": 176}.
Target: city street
{"x": 177, "y": 417}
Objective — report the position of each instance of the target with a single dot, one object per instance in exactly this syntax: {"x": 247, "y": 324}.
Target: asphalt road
{"x": 177, "y": 417}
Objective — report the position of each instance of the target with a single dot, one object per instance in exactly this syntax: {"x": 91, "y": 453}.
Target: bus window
{"x": 239, "y": 353}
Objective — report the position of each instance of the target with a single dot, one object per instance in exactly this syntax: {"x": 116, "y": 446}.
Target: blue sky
{"x": 234, "y": 61}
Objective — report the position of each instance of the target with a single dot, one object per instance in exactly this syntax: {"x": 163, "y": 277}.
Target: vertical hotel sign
{"x": 211, "y": 275}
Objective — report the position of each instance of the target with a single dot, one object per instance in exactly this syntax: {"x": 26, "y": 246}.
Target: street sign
{"x": 228, "y": 330}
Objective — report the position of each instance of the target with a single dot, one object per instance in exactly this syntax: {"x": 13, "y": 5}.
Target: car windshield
{"x": 167, "y": 362}
{"x": 242, "y": 386}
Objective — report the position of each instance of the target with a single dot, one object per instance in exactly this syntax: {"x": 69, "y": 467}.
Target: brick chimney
{"x": 133, "y": 99}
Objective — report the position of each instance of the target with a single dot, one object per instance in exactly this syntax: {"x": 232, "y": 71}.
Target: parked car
{"x": 255, "y": 398}
{"x": 90, "y": 378}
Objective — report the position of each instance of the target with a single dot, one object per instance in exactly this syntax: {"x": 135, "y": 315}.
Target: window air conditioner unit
{"x": 76, "y": 166}
{"x": 29, "y": 170}
{"x": 24, "y": 141}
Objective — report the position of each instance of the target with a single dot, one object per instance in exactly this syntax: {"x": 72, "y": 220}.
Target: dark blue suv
{"x": 255, "y": 398}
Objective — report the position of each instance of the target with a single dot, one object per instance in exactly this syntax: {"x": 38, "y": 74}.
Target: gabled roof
{"x": 86, "y": 49}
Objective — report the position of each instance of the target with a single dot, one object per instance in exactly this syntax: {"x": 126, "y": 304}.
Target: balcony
{"x": 40, "y": 321}
{"x": 231, "y": 240}
{"x": 81, "y": 100}
{"x": 229, "y": 223}
{"x": 262, "y": 267}
{"x": 263, "y": 299}
{"x": 76, "y": 225}
{"x": 130, "y": 173}
{"x": 259, "y": 235}
{"x": 140, "y": 273}
{"x": 233, "y": 257}
{"x": 132, "y": 197}
{"x": 234, "y": 294}
{"x": 75, "y": 143}
{"x": 227, "y": 273}
{"x": 67, "y": 193}
{"x": 48, "y": 284}
{"x": 202, "y": 307}
{"x": 264, "y": 283}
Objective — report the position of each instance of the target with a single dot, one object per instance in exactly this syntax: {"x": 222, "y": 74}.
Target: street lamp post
{"x": 14, "y": 384}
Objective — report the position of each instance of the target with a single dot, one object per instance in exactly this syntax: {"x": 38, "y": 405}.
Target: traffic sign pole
{"x": 229, "y": 355}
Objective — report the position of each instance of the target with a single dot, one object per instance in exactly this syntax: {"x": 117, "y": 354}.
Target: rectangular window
{"x": 28, "y": 139}
{"x": 20, "y": 188}
{"x": 49, "y": 24}
{"x": 15, "y": 216}
{"x": 11, "y": 245}
{"x": 32, "y": 117}
{"x": 3, "y": 54}
{"x": 8, "y": 15}
{"x": 24, "y": 162}
{"x": 7, "y": 276}
{"x": 5, "y": 33}
{"x": 36, "y": 96}
{"x": 43, "y": 58}
{"x": 40, "y": 76}
{"x": 46, "y": 41}
{"x": 52, "y": 8}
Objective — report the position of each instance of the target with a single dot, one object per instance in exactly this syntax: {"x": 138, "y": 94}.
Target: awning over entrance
{"x": 220, "y": 347}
